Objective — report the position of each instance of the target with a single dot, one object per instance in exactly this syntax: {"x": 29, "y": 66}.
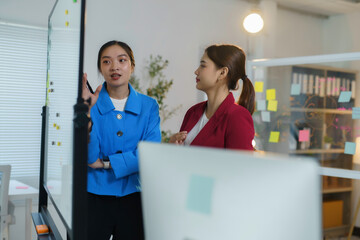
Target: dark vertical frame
{"x": 78, "y": 230}
{"x": 79, "y": 194}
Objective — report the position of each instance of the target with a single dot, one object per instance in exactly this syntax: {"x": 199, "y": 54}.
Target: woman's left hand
{"x": 86, "y": 94}
{"x": 178, "y": 138}
{"x": 97, "y": 164}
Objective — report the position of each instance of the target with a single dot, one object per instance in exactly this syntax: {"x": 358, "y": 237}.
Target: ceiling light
{"x": 253, "y": 23}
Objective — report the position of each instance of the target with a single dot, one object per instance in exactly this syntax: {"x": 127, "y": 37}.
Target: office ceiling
{"x": 322, "y": 7}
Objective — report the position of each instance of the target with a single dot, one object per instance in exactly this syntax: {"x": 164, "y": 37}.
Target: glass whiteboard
{"x": 61, "y": 96}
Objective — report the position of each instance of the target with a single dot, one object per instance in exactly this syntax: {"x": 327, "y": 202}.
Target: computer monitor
{"x": 197, "y": 193}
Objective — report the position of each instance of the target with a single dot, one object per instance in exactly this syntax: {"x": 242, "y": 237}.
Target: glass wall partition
{"x": 310, "y": 106}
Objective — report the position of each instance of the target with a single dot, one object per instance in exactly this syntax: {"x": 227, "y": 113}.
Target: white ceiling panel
{"x": 324, "y": 7}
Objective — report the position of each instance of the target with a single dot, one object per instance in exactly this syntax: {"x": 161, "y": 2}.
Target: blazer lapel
{"x": 213, "y": 122}
{"x": 195, "y": 117}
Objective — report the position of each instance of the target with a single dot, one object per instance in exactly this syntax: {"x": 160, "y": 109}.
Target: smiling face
{"x": 115, "y": 66}
{"x": 207, "y": 74}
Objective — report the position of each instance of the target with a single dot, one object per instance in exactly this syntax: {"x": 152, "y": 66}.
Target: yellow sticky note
{"x": 66, "y": 12}
{"x": 271, "y": 94}
{"x": 274, "y": 137}
{"x": 272, "y": 105}
{"x": 259, "y": 86}
{"x": 67, "y": 23}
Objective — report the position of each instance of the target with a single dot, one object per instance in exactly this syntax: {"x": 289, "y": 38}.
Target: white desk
{"x": 21, "y": 191}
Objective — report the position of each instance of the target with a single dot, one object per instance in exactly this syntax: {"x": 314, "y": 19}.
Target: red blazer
{"x": 230, "y": 127}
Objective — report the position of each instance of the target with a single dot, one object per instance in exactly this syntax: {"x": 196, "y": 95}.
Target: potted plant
{"x": 157, "y": 87}
{"x": 328, "y": 141}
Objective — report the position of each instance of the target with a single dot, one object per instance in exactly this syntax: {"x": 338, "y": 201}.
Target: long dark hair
{"x": 233, "y": 57}
{"x": 121, "y": 44}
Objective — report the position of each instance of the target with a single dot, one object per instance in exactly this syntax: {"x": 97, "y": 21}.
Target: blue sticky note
{"x": 350, "y": 148}
{"x": 199, "y": 197}
{"x": 295, "y": 89}
{"x": 261, "y": 105}
{"x": 356, "y": 113}
{"x": 265, "y": 116}
{"x": 345, "y": 96}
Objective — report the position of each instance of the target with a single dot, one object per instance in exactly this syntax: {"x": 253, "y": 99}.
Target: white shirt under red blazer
{"x": 230, "y": 127}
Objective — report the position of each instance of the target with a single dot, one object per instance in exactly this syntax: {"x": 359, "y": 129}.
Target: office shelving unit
{"x": 316, "y": 109}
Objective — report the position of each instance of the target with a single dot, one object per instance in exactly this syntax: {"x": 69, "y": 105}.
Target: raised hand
{"x": 86, "y": 94}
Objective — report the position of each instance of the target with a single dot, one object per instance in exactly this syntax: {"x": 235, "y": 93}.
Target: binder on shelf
{"x": 338, "y": 80}
{"x": 333, "y": 86}
{"x": 328, "y": 87}
{"x": 317, "y": 85}
{"x": 343, "y": 84}
{"x": 353, "y": 89}
{"x": 305, "y": 84}
{"x": 294, "y": 78}
{"x": 322, "y": 87}
{"x": 311, "y": 84}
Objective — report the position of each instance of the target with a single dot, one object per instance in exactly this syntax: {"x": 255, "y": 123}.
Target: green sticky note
{"x": 295, "y": 89}
{"x": 355, "y": 113}
{"x": 272, "y": 105}
{"x": 271, "y": 94}
{"x": 259, "y": 87}
{"x": 200, "y": 193}
{"x": 350, "y": 148}
{"x": 261, "y": 105}
{"x": 265, "y": 116}
{"x": 345, "y": 96}
{"x": 274, "y": 137}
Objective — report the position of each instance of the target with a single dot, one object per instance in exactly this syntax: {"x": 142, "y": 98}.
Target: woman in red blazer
{"x": 220, "y": 121}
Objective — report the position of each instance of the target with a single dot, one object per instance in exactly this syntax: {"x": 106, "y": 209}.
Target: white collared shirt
{"x": 196, "y": 129}
{"x": 119, "y": 104}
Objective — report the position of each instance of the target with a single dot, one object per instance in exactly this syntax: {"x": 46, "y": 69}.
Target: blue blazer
{"x": 116, "y": 134}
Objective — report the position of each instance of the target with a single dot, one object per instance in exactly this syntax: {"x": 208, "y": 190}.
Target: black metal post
{"x": 43, "y": 199}
{"x": 80, "y": 166}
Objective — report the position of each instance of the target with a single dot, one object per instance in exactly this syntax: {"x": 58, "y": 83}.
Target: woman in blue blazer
{"x": 121, "y": 117}
{"x": 220, "y": 121}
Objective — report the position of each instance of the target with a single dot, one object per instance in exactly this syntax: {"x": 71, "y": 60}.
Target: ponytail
{"x": 247, "y": 96}
{"x": 234, "y": 58}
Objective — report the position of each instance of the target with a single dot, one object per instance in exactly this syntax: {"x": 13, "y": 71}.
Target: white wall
{"x": 342, "y": 33}
{"x": 298, "y": 34}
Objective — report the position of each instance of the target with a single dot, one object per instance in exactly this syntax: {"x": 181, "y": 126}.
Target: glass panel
{"x": 308, "y": 110}
{"x": 312, "y": 110}
{"x": 62, "y": 90}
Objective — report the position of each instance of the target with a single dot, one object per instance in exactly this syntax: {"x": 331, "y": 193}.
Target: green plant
{"x": 157, "y": 87}
{"x": 328, "y": 139}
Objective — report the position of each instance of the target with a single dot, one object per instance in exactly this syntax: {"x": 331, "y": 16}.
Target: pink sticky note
{"x": 22, "y": 187}
{"x": 304, "y": 135}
